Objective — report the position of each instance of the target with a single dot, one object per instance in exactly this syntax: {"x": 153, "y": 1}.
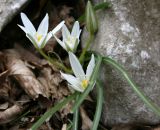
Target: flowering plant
{"x": 81, "y": 81}
{"x": 40, "y": 37}
{"x": 70, "y": 40}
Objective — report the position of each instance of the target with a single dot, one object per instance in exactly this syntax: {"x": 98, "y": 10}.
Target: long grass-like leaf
{"x": 99, "y": 105}
{"x": 51, "y": 111}
{"x": 145, "y": 99}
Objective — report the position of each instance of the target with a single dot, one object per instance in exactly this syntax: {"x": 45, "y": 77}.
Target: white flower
{"x": 40, "y": 37}
{"x": 70, "y": 40}
{"x": 81, "y": 81}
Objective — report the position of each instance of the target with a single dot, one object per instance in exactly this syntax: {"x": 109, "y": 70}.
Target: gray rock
{"x": 8, "y": 9}
{"x": 130, "y": 34}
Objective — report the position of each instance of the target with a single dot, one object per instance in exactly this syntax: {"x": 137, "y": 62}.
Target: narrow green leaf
{"x": 76, "y": 116}
{"x": 144, "y": 98}
{"x": 51, "y": 111}
{"x": 99, "y": 105}
{"x": 103, "y": 5}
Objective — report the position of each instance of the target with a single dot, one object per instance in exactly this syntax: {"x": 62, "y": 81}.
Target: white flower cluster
{"x": 69, "y": 42}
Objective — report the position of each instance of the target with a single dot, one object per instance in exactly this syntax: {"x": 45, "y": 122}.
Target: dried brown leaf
{"x": 4, "y": 90}
{"x": 51, "y": 80}
{"x": 64, "y": 127}
{"x": 28, "y": 56}
{"x": 4, "y": 106}
{"x": 3, "y": 75}
{"x": 10, "y": 113}
{"x": 66, "y": 110}
{"x": 23, "y": 74}
{"x": 86, "y": 121}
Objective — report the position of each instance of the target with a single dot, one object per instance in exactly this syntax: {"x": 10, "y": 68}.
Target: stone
{"x": 129, "y": 33}
{"x": 8, "y": 9}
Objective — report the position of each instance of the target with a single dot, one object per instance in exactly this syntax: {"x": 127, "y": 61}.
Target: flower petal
{"x": 75, "y": 29}
{"x": 74, "y": 82}
{"x": 90, "y": 67}
{"x": 23, "y": 28}
{"x": 58, "y": 27}
{"x": 76, "y": 66}
{"x": 29, "y": 36}
{"x": 61, "y": 43}
{"x": 43, "y": 27}
{"x": 51, "y": 33}
{"x": 27, "y": 24}
{"x": 65, "y": 32}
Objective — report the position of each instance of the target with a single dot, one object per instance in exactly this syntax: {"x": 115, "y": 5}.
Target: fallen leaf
{"x": 23, "y": 74}
{"x": 64, "y": 127}
{"x": 10, "y": 113}
{"x": 86, "y": 121}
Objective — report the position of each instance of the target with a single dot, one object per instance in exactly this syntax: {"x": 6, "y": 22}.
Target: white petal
{"x": 27, "y": 24}
{"x": 61, "y": 43}
{"x": 76, "y": 66}
{"x": 74, "y": 82}
{"x": 23, "y": 28}
{"x": 65, "y": 32}
{"x": 58, "y": 27}
{"x": 90, "y": 67}
{"x": 79, "y": 33}
{"x": 32, "y": 39}
{"x": 49, "y": 35}
{"x": 75, "y": 29}
{"x": 43, "y": 27}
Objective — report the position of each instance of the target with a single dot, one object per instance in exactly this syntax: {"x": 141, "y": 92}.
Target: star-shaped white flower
{"x": 70, "y": 41}
{"x": 80, "y": 81}
{"x": 40, "y": 37}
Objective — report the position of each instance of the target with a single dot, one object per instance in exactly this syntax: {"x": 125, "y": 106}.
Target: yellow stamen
{"x": 39, "y": 37}
{"x": 84, "y": 83}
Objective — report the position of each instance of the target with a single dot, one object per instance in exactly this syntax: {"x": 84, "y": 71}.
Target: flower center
{"x": 71, "y": 40}
{"x": 84, "y": 83}
{"x": 38, "y": 36}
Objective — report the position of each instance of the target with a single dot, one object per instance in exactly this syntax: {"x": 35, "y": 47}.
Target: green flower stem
{"x": 98, "y": 106}
{"x": 145, "y": 99}
{"x": 51, "y": 111}
{"x": 91, "y": 84}
{"x": 56, "y": 63}
{"x": 75, "y": 116}
{"x": 82, "y": 56}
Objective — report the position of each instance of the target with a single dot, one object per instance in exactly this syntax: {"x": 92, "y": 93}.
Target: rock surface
{"x": 8, "y": 9}
{"x": 130, "y": 34}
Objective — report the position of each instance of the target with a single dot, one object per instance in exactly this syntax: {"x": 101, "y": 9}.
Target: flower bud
{"x": 91, "y": 20}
